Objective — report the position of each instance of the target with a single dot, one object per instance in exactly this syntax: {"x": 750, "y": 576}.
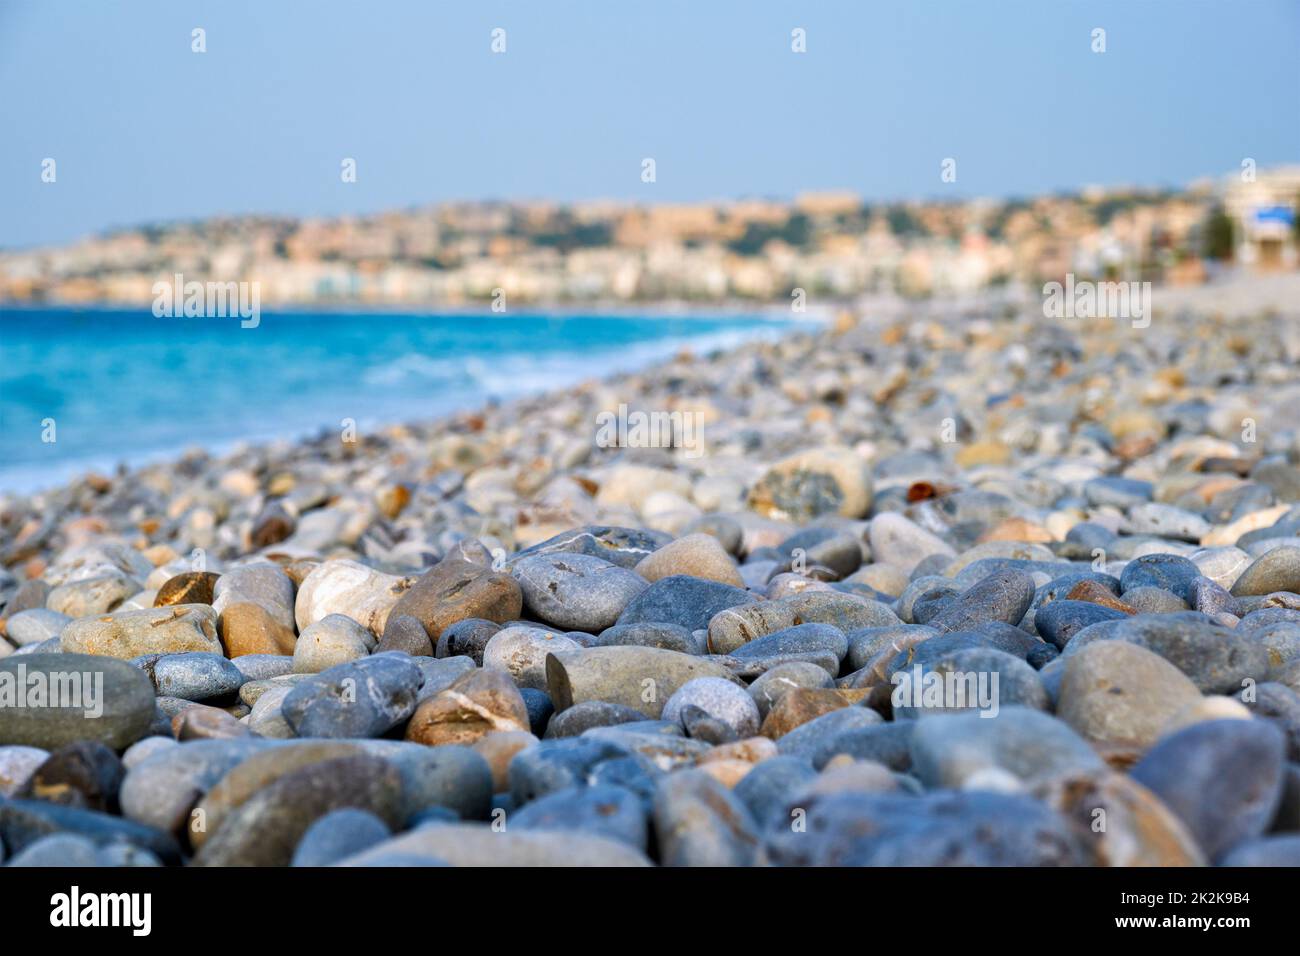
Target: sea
{"x": 87, "y": 389}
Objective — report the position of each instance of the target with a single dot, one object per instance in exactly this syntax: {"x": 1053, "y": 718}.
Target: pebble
{"x": 1002, "y": 596}
{"x": 902, "y": 543}
{"x": 265, "y": 829}
{"x": 23, "y": 822}
{"x": 626, "y": 547}
{"x": 1213, "y": 657}
{"x": 17, "y": 762}
{"x": 849, "y": 776}
{"x": 259, "y": 667}
{"x": 1166, "y": 521}
{"x": 698, "y": 822}
{"x": 189, "y": 587}
{"x": 466, "y": 638}
{"x": 1221, "y": 778}
{"x": 732, "y": 628}
{"x": 363, "y": 698}
{"x": 1168, "y": 571}
{"x": 1118, "y": 693}
{"x": 1280, "y": 850}
{"x": 697, "y": 555}
{"x": 85, "y": 774}
{"x": 332, "y": 640}
{"x": 406, "y": 634}
{"x": 658, "y": 741}
{"x": 819, "y": 644}
{"x": 1213, "y": 707}
{"x": 480, "y": 845}
{"x": 266, "y": 719}
{"x": 1126, "y": 824}
{"x": 479, "y": 702}
{"x": 766, "y": 789}
{"x": 249, "y": 629}
{"x": 192, "y": 676}
{"x": 939, "y": 829}
{"x": 128, "y": 634}
{"x": 685, "y": 601}
{"x": 602, "y": 810}
{"x": 720, "y": 699}
{"x": 347, "y": 588}
{"x": 540, "y": 709}
{"x": 576, "y": 591}
{"x": 439, "y": 674}
{"x": 810, "y": 484}
{"x": 642, "y": 678}
{"x": 262, "y": 584}
{"x": 1211, "y": 599}
{"x": 250, "y": 772}
{"x": 669, "y": 637}
{"x": 35, "y": 625}
{"x": 451, "y": 777}
{"x": 1028, "y": 744}
{"x": 52, "y": 700}
{"x": 978, "y": 678}
{"x": 207, "y": 723}
{"x": 521, "y": 651}
{"x": 882, "y": 579}
{"x": 338, "y": 835}
{"x": 1222, "y": 565}
{"x": 1151, "y": 600}
{"x": 59, "y": 849}
{"x": 556, "y": 764}
{"x": 92, "y": 596}
{"x": 1280, "y": 705}
{"x": 454, "y": 590}
{"x": 1061, "y": 620}
{"x": 840, "y": 554}
{"x": 1119, "y": 492}
{"x": 1276, "y": 570}
{"x": 162, "y": 780}
{"x": 582, "y": 717}
{"x": 799, "y": 705}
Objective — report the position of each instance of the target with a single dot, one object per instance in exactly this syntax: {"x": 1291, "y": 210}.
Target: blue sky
{"x": 142, "y": 129}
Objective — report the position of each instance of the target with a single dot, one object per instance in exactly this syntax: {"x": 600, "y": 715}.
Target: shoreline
{"x": 25, "y": 480}
{"x": 1239, "y": 297}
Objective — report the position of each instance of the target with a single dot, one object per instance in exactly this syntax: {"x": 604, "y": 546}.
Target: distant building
{"x": 1263, "y": 215}
{"x": 828, "y": 203}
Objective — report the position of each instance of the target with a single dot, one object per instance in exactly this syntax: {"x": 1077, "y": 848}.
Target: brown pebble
{"x": 189, "y": 587}
{"x": 480, "y": 702}
{"x": 802, "y": 704}
{"x": 248, "y": 628}
{"x": 1095, "y": 593}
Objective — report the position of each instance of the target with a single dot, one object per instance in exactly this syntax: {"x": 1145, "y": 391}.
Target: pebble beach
{"x": 936, "y": 584}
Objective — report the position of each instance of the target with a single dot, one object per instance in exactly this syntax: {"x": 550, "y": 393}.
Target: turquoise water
{"x": 124, "y": 386}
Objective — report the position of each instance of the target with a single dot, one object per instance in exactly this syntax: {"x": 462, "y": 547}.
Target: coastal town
{"x": 820, "y": 246}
